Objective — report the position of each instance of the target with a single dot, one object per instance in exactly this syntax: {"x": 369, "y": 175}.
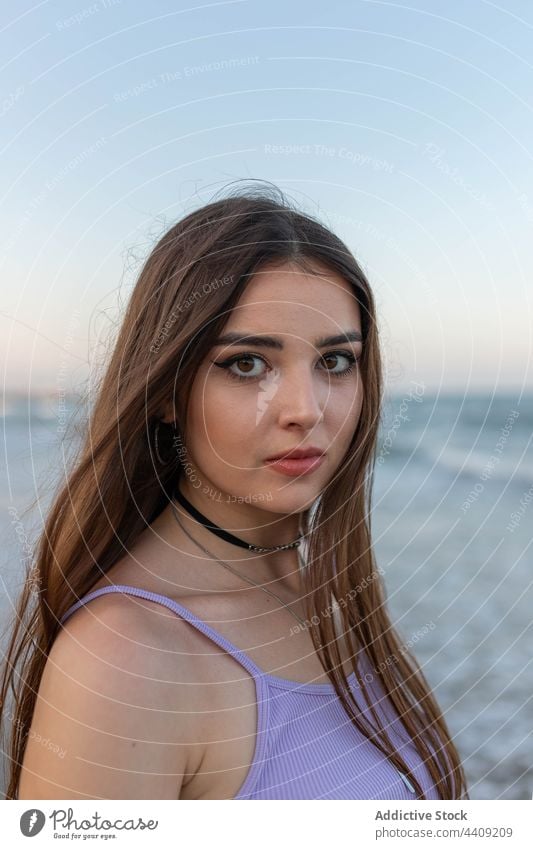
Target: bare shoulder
{"x": 115, "y": 715}
{"x": 137, "y": 625}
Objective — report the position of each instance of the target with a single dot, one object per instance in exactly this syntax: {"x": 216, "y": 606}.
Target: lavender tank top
{"x": 306, "y": 747}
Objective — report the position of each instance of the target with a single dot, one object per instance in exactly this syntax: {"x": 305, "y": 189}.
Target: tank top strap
{"x": 179, "y": 610}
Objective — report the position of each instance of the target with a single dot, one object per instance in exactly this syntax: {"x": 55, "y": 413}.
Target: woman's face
{"x": 286, "y": 390}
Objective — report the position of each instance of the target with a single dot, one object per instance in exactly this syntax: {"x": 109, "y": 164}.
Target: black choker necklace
{"x": 220, "y": 532}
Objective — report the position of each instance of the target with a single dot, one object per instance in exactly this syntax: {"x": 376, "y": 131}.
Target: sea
{"x": 452, "y": 530}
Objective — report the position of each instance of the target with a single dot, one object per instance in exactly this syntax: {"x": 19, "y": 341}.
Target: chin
{"x": 287, "y": 501}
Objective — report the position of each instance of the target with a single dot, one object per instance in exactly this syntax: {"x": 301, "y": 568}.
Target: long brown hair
{"x": 116, "y": 485}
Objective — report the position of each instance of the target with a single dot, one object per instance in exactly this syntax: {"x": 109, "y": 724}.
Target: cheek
{"x": 344, "y": 418}
{"x": 220, "y": 426}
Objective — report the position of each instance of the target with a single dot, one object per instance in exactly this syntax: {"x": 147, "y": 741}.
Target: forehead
{"x": 286, "y": 290}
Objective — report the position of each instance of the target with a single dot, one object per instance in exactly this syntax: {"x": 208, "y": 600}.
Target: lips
{"x": 297, "y": 454}
{"x": 296, "y": 466}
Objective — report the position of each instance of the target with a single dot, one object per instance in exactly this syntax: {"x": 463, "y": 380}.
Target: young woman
{"x": 211, "y": 622}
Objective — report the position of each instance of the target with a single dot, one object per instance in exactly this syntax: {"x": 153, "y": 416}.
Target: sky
{"x": 407, "y": 128}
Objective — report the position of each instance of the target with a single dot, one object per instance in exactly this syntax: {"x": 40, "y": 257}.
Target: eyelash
{"x": 226, "y": 364}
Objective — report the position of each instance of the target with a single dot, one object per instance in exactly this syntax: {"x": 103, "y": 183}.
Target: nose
{"x": 299, "y": 398}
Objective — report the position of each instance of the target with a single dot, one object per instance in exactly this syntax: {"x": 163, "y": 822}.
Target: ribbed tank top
{"x": 306, "y": 747}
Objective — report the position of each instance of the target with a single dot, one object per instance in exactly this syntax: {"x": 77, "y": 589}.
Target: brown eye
{"x": 335, "y": 355}
{"x": 235, "y": 362}
{"x": 244, "y": 360}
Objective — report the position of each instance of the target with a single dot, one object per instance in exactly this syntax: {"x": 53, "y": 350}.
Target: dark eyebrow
{"x": 244, "y": 338}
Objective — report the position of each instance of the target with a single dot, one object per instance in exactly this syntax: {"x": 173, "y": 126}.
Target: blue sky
{"x": 407, "y": 128}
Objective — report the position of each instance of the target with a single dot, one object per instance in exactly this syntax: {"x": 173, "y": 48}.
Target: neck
{"x": 250, "y": 524}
